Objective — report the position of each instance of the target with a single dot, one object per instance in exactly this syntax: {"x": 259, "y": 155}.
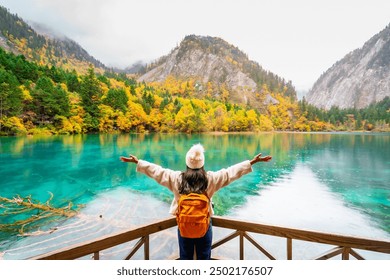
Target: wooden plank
{"x": 260, "y": 248}
{"x": 135, "y": 248}
{"x": 356, "y": 255}
{"x": 330, "y": 254}
{"x": 224, "y": 240}
{"x": 102, "y": 243}
{"x": 382, "y": 246}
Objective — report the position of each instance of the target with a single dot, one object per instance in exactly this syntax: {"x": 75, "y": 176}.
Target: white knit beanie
{"x": 195, "y": 157}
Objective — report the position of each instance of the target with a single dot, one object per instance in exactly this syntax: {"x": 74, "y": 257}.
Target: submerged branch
{"x": 38, "y": 214}
{"x": 26, "y": 202}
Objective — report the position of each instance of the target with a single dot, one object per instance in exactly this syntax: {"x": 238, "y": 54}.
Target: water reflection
{"x": 300, "y": 200}
{"x": 358, "y": 169}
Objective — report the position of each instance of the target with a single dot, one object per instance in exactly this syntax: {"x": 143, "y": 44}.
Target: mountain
{"x": 359, "y": 79}
{"x": 212, "y": 60}
{"x": 41, "y": 45}
{"x": 137, "y": 67}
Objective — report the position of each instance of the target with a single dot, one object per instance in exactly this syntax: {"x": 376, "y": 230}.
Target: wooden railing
{"x": 344, "y": 245}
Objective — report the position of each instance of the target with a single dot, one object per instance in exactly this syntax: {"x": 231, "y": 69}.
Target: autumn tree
{"x": 185, "y": 119}
{"x": 117, "y": 99}
{"x": 10, "y": 95}
{"x": 91, "y": 92}
{"x": 49, "y": 100}
{"x": 72, "y": 81}
{"x": 265, "y": 124}
{"x": 216, "y": 119}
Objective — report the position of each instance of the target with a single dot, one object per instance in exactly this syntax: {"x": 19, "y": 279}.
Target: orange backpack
{"x": 193, "y": 215}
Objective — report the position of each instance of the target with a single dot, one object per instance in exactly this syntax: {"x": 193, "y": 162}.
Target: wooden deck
{"x": 343, "y": 245}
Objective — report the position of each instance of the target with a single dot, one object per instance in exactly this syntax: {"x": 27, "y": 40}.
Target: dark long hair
{"x": 193, "y": 180}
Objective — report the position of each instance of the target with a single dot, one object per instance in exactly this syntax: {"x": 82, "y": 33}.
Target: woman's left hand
{"x": 259, "y": 158}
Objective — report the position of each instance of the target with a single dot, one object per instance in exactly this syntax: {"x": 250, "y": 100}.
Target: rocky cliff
{"x": 209, "y": 59}
{"x": 359, "y": 79}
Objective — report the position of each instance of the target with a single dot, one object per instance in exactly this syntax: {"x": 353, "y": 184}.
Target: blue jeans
{"x": 202, "y": 246}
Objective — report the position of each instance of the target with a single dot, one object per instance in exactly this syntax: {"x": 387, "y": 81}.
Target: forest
{"x": 42, "y": 99}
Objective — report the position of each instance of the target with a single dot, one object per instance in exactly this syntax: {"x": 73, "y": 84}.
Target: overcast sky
{"x": 295, "y": 39}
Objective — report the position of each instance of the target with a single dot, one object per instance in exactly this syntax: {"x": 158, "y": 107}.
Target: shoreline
{"x": 216, "y": 133}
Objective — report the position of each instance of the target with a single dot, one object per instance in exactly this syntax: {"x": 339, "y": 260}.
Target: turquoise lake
{"x": 332, "y": 182}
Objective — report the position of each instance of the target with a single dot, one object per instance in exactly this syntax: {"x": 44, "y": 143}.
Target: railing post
{"x": 289, "y": 248}
{"x": 96, "y": 256}
{"x": 345, "y": 254}
{"x": 241, "y": 245}
{"x": 146, "y": 247}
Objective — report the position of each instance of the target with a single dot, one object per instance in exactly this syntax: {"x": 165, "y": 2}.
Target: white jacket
{"x": 171, "y": 179}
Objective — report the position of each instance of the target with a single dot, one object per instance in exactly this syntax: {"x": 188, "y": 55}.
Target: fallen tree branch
{"x": 38, "y": 214}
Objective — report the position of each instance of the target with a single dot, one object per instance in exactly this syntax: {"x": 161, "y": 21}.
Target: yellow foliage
{"x": 209, "y": 89}
{"x": 184, "y": 120}
{"x": 104, "y": 88}
{"x": 253, "y": 120}
{"x": 74, "y": 98}
{"x": 155, "y": 119}
{"x": 77, "y": 123}
{"x": 200, "y": 104}
{"x": 238, "y": 121}
{"x": 117, "y": 84}
{"x": 318, "y": 126}
{"x": 15, "y": 125}
{"x": 265, "y": 90}
{"x": 265, "y": 124}
{"x": 216, "y": 119}
{"x": 139, "y": 90}
{"x": 281, "y": 114}
{"x": 172, "y": 85}
{"x": 64, "y": 86}
{"x": 184, "y": 113}
{"x": 137, "y": 116}
{"x": 224, "y": 93}
{"x": 169, "y": 119}
{"x": 66, "y": 126}
{"x": 123, "y": 122}
{"x": 302, "y": 124}
{"x": 40, "y": 131}
{"x": 26, "y": 93}
{"x": 157, "y": 101}
{"x": 176, "y": 86}
{"x": 106, "y": 121}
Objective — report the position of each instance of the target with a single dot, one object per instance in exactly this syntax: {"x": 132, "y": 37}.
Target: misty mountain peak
{"x": 362, "y": 77}
{"x": 211, "y": 59}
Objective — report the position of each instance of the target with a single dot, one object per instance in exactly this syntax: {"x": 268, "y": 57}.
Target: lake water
{"x": 335, "y": 183}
